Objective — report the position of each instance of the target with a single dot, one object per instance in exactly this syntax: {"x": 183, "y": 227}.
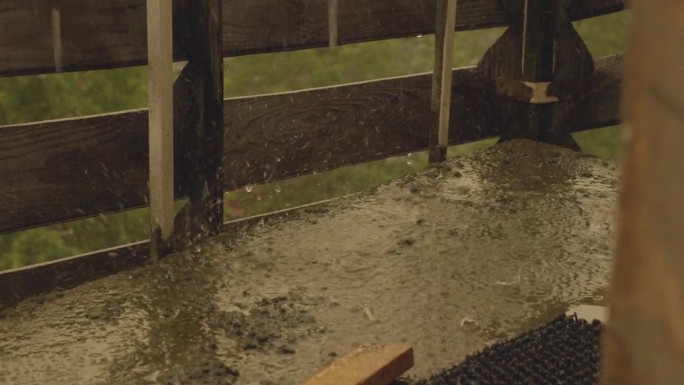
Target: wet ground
{"x": 449, "y": 260}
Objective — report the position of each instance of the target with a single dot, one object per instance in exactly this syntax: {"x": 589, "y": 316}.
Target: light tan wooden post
{"x": 160, "y": 88}
{"x": 442, "y": 79}
{"x": 644, "y": 342}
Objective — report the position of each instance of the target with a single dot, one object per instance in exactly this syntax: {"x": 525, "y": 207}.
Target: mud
{"x": 449, "y": 260}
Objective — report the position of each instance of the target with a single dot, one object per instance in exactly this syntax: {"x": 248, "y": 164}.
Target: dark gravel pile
{"x": 564, "y": 351}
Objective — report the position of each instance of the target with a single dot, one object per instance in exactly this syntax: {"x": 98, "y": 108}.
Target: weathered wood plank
{"x": 58, "y": 170}
{"x": 19, "y": 284}
{"x": 67, "y": 169}
{"x": 199, "y": 117}
{"x": 368, "y": 365}
{"x": 445, "y": 88}
{"x": 160, "y": 87}
{"x": 112, "y": 33}
{"x": 599, "y": 106}
{"x": 284, "y": 135}
{"x": 644, "y": 343}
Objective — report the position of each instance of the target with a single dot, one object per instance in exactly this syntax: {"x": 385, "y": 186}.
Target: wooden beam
{"x": 19, "y": 284}
{"x": 368, "y": 365}
{"x": 160, "y": 75}
{"x": 51, "y": 174}
{"x": 199, "y": 118}
{"x": 645, "y": 341}
{"x": 107, "y": 34}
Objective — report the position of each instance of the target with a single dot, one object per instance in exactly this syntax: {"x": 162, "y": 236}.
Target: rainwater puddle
{"x": 448, "y": 260}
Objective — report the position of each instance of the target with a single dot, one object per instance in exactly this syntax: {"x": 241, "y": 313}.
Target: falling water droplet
{"x": 278, "y": 189}
{"x": 409, "y": 161}
{"x": 278, "y": 160}
{"x": 419, "y": 36}
{"x": 249, "y": 187}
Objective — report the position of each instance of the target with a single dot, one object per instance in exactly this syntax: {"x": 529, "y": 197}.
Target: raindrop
{"x": 419, "y": 36}
{"x": 278, "y": 189}
{"x": 249, "y": 187}
{"x": 409, "y": 160}
{"x": 278, "y": 160}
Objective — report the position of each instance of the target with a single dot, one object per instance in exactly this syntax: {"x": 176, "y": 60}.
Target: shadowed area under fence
{"x": 447, "y": 260}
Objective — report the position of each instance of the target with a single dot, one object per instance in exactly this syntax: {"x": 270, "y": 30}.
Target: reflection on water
{"x": 448, "y": 260}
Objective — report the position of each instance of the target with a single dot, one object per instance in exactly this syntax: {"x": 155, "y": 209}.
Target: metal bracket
{"x": 524, "y": 91}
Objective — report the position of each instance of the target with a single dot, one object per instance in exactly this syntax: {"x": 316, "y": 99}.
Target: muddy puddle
{"x": 449, "y": 260}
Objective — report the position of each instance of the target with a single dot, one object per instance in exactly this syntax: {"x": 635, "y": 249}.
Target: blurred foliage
{"x": 33, "y": 98}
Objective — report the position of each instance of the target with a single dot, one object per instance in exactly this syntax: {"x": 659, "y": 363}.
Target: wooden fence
{"x": 55, "y": 171}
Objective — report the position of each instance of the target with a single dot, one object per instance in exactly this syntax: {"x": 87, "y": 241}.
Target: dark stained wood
{"x": 58, "y": 170}
{"x": 112, "y": 33}
{"x": 67, "y": 169}
{"x": 19, "y": 284}
{"x": 285, "y": 135}
{"x": 541, "y": 45}
{"x": 199, "y": 121}
{"x": 599, "y": 105}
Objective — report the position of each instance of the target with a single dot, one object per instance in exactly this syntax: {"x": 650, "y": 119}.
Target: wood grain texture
{"x": 67, "y": 169}
{"x": 368, "y": 365}
{"x": 160, "y": 114}
{"x": 99, "y": 34}
{"x": 58, "y": 170}
{"x": 284, "y": 135}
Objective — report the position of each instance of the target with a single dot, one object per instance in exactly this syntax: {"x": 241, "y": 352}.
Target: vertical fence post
{"x": 199, "y": 121}
{"x": 441, "y": 81}
{"x": 644, "y": 343}
{"x": 160, "y": 59}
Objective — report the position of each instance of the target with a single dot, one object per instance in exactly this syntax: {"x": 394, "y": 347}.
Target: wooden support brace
{"x": 368, "y": 365}
{"x": 160, "y": 60}
{"x": 538, "y": 61}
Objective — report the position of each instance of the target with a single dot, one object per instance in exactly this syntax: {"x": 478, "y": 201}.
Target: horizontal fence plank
{"x": 59, "y": 170}
{"x": 68, "y": 169}
{"x": 112, "y": 33}
{"x": 279, "y": 136}
{"x": 19, "y": 284}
